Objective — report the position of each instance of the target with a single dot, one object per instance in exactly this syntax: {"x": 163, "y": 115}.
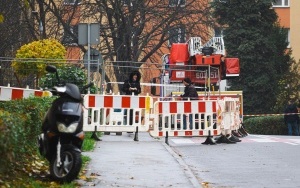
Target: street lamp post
{"x": 41, "y": 29}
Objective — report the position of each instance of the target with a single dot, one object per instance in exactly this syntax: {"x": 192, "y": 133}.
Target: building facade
{"x": 288, "y": 17}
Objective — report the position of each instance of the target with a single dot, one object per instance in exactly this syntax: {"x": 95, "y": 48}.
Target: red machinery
{"x": 201, "y": 63}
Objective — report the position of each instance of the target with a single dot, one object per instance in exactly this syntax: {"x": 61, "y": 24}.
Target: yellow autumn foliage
{"x": 1, "y": 18}
{"x": 32, "y": 58}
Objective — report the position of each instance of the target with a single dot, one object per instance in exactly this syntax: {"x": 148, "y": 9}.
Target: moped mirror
{"x": 51, "y": 68}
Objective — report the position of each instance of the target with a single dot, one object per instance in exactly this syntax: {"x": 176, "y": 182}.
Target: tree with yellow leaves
{"x": 32, "y": 58}
{"x": 1, "y": 18}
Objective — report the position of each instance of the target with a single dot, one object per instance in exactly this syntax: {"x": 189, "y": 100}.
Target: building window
{"x": 72, "y": 2}
{"x": 177, "y": 35}
{"x": 281, "y": 3}
{"x": 174, "y": 3}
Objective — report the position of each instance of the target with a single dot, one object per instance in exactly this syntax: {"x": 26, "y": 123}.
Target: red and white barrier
{"x": 13, "y": 93}
{"x": 230, "y": 115}
{"x": 110, "y": 113}
{"x": 115, "y": 101}
{"x": 168, "y": 117}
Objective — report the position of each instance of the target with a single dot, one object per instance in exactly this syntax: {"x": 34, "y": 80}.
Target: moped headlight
{"x": 64, "y": 129}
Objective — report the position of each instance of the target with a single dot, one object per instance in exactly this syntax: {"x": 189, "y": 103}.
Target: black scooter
{"x": 62, "y": 137}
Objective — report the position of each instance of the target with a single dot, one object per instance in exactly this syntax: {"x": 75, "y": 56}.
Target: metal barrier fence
{"x": 107, "y": 77}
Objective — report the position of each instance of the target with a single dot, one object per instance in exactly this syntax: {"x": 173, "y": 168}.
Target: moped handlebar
{"x": 87, "y": 86}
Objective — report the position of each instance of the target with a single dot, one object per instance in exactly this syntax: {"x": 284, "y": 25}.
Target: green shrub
{"x": 267, "y": 125}
{"x": 67, "y": 74}
{"x": 20, "y": 123}
{"x": 10, "y": 133}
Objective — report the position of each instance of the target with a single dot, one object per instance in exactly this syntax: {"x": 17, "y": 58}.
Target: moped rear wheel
{"x": 70, "y": 166}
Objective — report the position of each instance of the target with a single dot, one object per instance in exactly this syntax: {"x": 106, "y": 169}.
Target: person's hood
{"x": 138, "y": 76}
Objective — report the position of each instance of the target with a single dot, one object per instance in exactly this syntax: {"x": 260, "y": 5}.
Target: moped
{"x": 62, "y": 137}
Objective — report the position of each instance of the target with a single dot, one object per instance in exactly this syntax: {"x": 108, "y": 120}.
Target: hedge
{"x": 20, "y": 124}
{"x": 266, "y": 125}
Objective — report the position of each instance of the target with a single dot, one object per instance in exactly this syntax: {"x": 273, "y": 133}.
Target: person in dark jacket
{"x": 291, "y": 118}
{"x": 132, "y": 86}
{"x": 190, "y": 92}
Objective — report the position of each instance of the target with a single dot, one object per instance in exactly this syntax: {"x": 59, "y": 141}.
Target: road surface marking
{"x": 183, "y": 141}
{"x": 258, "y": 139}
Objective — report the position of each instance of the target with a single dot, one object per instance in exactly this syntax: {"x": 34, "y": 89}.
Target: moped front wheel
{"x": 69, "y": 168}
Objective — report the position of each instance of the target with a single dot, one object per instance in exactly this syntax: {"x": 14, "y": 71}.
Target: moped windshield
{"x": 71, "y": 108}
{"x": 73, "y": 91}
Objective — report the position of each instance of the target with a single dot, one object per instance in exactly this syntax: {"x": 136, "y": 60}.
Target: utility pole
{"x": 41, "y": 18}
{"x": 38, "y": 18}
{"x": 41, "y": 29}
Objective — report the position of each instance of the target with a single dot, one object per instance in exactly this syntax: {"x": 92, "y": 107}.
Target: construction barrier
{"x": 169, "y": 117}
{"x": 113, "y": 113}
{"x": 13, "y": 93}
{"x": 215, "y": 95}
{"x": 230, "y": 120}
{"x": 124, "y": 113}
{"x": 230, "y": 116}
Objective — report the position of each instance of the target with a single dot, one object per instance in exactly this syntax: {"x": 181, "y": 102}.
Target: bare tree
{"x": 14, "y": 33}
{"x": 130, "y": 30}
{"x": 142, "y": 30}
{"x": 11, "y": 28}
{"x": 135, "y": 30}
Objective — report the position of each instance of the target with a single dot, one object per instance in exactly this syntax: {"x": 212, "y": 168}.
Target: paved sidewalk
{"x": 118, "y": 161}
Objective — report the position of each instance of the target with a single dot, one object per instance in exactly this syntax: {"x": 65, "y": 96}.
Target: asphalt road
{"x": 118, "y": 161}
{"x": 257, "y": 161}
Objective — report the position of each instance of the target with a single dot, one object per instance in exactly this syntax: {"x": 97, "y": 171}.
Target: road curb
{"x": 195, "y": 182}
